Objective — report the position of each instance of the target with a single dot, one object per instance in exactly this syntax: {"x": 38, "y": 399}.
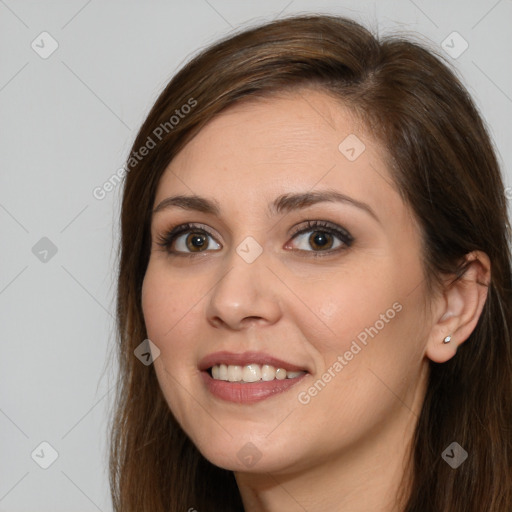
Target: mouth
{"x": 251, "y": 373}
{"x": 248, "y": 377}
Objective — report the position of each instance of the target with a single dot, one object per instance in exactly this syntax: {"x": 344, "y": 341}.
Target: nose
{"x": 244, "y": 294}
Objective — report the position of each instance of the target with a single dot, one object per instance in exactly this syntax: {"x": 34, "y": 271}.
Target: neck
{"x": 370, "y": 476}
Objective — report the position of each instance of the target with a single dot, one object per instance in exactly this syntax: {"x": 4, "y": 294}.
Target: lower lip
{"x": 248, "y": 392}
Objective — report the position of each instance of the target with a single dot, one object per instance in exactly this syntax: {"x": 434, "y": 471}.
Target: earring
{"x": 447, "y": 339}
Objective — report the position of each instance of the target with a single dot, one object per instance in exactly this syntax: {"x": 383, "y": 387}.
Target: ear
{"x": 458, "y": 308}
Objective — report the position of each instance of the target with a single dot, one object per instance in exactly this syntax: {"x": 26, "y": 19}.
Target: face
{"x": 287, "y": 303}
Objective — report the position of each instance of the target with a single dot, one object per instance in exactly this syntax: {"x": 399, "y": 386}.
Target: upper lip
{"x": 245, "y": 358}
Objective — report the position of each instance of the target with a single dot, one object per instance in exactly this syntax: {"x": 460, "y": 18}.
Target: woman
{"x": 315, "y": 240}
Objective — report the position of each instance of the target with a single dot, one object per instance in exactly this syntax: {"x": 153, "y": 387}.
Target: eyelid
{"x": 318, "y": 225}
{"x": 343, "y": 236}
{"x": 169, "y": 237}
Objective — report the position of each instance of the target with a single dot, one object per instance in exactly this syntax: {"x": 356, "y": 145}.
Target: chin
{"x": 251, "y": 454}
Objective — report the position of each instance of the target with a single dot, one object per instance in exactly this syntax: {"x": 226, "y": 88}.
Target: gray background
{"x": 67, "y": 124}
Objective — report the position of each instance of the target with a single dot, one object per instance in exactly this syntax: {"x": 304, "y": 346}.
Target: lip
{"x": 245, "y": 358}
{"x": 247, "y": 392}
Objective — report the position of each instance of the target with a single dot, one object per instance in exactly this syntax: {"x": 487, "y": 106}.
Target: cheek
{"x": 370, "y": 354}
{"x": 168, "y": 309}
{"x": 348, "y": 302}
{"x": 170, "y": 315}
{"x": 370, "y": 318}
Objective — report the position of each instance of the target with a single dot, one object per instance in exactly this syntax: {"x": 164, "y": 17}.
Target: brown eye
{"x": 187, "y": 239}
{"x": 192, "y": 241}
{"x": 196, "y": 241}
{"x": 321, "y": 240}
{"x": 321, "y": 237}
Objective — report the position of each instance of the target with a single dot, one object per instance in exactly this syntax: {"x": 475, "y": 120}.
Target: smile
{"x": 249, "y": 377}
{"x": 251, "y": 373}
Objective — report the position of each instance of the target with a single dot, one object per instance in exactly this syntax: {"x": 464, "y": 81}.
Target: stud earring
{"x": 447, "y": 339}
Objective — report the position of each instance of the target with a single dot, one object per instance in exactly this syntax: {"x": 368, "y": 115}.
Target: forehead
{"x": 294, "y": 142}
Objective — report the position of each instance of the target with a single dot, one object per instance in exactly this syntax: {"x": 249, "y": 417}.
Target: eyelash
{"x": 166, "y": 240}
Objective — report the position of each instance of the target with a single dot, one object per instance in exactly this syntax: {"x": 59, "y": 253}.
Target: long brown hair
{"x": 444, "y": 165}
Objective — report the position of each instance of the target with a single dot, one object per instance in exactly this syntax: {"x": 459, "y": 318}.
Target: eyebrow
{"x": 282, "y": 204}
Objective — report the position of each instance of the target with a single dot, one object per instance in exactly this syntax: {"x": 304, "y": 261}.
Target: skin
{"x": 346, "y": 449}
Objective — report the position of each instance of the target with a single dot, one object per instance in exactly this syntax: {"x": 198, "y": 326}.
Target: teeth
{"x": 293, "y": 375}
{"x": 280, "y": 374}
{"x": 234, "y": 373}
{"x": 251, "y": 373}
{"x": 267, "y": 372}
{"x": 223, "y": 372}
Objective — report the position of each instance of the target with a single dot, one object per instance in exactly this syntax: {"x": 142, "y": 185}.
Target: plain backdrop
{"x": 76, "y": 81}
